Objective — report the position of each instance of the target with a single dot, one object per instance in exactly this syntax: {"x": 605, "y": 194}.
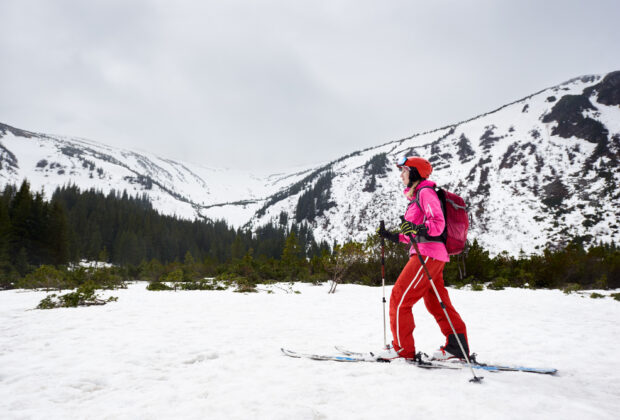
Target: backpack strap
{"x": 424, "y": 236}
{"x": 417, "y": 200}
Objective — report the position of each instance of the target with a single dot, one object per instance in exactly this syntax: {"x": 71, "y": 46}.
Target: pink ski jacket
{"x": 435, "y": 222}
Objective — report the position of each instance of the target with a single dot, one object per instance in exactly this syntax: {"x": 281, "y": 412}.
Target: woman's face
{"x": 404, "y": 175}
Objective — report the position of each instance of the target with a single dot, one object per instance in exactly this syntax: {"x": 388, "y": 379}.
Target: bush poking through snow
{"x": 571, "y": 287}
{"x": 204, "y": 284}
{"x": 207, "y": 284}
{"x": 45, "y": 277}
{"x": 84, "y": 296}
{"x": 601, "y": 282}
{"x": 595, "y": 295}
{"x": 500, "y": 283}
{"x": 244, "y": 284}
{"x": 158, "y": 286}
{"x": 106, "y": 278}
{"x": 222, "y": 282}
{"x": 616, "y": 296}
{"x": 477, "y": 287}
{"x": 48, "y": 277}
{"x": 174, "y": 276}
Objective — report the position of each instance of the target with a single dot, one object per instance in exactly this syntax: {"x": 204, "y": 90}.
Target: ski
{"x": 475, "y": 364}
{"x": 335, "y": 358}
{"x": 359, "y": 357}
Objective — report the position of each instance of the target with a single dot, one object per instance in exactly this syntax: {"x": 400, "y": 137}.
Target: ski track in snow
{"x": 216, "y": 355}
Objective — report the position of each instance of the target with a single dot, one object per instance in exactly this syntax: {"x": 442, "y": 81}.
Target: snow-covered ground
{"x": 216, "y": 355}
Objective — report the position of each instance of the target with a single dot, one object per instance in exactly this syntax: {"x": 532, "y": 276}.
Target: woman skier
{"x": 424, "y": 220}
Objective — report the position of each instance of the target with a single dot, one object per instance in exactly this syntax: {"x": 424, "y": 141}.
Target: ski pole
{"x": 475, "y": 378}
{"x": 382, "y": 224}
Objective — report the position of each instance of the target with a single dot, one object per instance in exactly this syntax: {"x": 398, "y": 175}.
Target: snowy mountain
{"x": 534, "y": 172}
{"x": 183, "y": 189}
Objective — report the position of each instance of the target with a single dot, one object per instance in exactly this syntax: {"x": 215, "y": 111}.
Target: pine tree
{"x": 22, "y": 264}
{"x": 58, "y": 234}
{"x": 237, "y": 250}
{"x": 479, "y": 264}
{"x": 20, "y": 235}
{"x": 103, "y": 255}
{"x": 291, "y": 257}
{"x": 190, "y": 272}
{"x": 38, "y": 228}
{"x": 5, "y": 229}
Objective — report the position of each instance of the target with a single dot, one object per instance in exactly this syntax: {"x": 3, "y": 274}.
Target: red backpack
{"x": 454, "y": 235}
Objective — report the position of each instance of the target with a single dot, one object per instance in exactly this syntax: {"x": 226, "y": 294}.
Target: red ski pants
{"x": 413, "y": 284}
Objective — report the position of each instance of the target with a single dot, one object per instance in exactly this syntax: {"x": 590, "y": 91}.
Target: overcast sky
{"x": 271, "y": 85}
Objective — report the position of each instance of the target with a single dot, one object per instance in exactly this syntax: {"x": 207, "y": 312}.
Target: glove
{"x": 407, "y": 228}
{"x": 392, "y": 236}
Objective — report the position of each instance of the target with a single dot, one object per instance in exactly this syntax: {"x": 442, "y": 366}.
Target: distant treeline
{"x": 571, "y": 266}
{"x": 120, "y": 229}
{"x": 144, "y": 244}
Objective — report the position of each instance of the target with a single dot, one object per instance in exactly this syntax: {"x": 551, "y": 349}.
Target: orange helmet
{"x": 423, "y": 166}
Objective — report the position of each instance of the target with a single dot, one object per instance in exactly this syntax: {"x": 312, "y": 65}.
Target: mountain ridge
{"x": 427, "y": 144}
{"x": 526, "y": 155}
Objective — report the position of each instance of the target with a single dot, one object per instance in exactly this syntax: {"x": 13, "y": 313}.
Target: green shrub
{"x": 77, "y": 275}
{"x": 45, "y": 277}
{"x": 173, "y": 276}
{"x": 208, "y": 284}
{"x": 84, "y": 296}
{"x": 477, "y": 287}
{"x": 242, "y": 284}
{"x": 601, "y": 282}
{"x": 157, "y": 285}
{"x": 69, "y": 300}
{"x": 459, "y": 284}
{"x": 595, "y": 295}
{"x": 47, "y": 302}
{"x": 318, "y": 279}
{"x": 106, "y": 278}
{"x": 498, "y": 283}
{"x": 571, "y": 287}
{"x": 616, "y": 296}
{"x": 245, "y": 285}
{"x": 8, "y": 280}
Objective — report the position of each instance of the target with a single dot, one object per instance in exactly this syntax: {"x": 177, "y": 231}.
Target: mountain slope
{"x": 535, "y": 172}
{"x": 175, "y": 188}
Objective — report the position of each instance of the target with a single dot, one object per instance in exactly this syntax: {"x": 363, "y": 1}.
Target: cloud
{"x": 279, "y": 83}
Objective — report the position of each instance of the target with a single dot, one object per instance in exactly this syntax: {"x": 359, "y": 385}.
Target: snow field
{"x": 216, "y": 355}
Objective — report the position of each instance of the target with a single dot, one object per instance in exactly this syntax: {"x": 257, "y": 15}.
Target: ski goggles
{"x": 402, "y": 162}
